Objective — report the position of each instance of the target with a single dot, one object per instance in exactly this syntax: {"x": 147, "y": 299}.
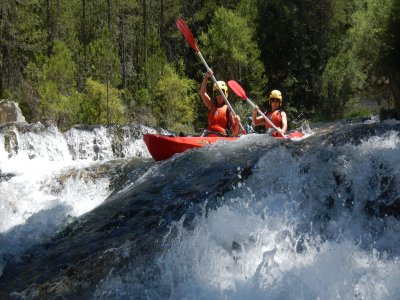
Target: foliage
{"x": 104, "y": 60}
{"x": 174, "y": 99}
{"x": 292, "y": 37}
{"x": 54, "y": 79}
{"x": 95, "y": 105}
{"x": 230, "y": 48}
{"x": 342, "y": 76}
{"x": 346, "y": 72}
{"x": 73, "y": 61}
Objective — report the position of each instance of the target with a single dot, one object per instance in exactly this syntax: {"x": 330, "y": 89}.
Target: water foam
{"x": 47, "y": 183}
{"x": 267, "y": 243}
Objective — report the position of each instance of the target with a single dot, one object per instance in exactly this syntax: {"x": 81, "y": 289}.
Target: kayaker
{"x": 220, "y": 118}
{"x": 275, "y": 114}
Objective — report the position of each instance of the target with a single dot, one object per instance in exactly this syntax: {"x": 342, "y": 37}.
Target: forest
{"x": 124, "y": 61}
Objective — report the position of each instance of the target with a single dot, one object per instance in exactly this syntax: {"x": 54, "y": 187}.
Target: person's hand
{"x": 208, "y": 74}
{"x": 237, "y": 119}
{"x": 280, "y": 132}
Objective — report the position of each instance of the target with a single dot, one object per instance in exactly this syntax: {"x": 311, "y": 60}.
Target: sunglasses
{"x": 274, "y": 100}
{"x": 217, "y": 93}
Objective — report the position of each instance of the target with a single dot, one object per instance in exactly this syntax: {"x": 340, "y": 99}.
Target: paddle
{"x": 184, "y": 29}
{"x": 238, "y": 90}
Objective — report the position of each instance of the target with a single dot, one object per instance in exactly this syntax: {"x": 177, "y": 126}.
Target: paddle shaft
{"x": 184, "y": 29}
{"x": 219, "y": 88}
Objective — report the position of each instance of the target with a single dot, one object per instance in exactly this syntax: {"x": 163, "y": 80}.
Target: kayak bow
{"x": 162, "y": 147}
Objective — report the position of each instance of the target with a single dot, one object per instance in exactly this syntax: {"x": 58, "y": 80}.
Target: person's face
{"x": 219, "y": 97}
{"x": 274, "y": 103}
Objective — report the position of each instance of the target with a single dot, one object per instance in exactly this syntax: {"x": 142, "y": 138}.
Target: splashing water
{"x": 252, "y": 219}
{"x": 47, "y": 182}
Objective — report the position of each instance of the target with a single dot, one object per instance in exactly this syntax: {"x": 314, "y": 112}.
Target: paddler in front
{"x": 220, "y": 118}
{"x": 276, "y": 114}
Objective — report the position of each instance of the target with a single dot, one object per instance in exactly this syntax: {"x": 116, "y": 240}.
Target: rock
{"x": 5, "y": 176}
{"x": 388, "y": 114}
{"x": 10, "y": 112}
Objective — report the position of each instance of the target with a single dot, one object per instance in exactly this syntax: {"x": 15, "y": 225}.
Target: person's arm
{"x": 203, "y": 90}
{"x": 257, "y": 120}
{"x": 235, "y": 120}
{"x": 284, "y": 123}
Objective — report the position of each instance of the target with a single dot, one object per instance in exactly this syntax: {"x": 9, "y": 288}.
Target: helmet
{"x": 275, "y": 94}
{"x": 223, "y": 87}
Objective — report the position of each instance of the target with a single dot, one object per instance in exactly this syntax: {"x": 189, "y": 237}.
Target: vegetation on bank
{"x": 114, "y": 61}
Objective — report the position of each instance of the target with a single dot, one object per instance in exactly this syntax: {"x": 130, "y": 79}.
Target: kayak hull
{"x": 162, "y": 147}
{"x": 292, "y": 135}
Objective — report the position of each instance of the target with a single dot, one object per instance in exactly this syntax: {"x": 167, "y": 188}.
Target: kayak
{"x": 162, "y": 147}
{"x": 291, "y": 135}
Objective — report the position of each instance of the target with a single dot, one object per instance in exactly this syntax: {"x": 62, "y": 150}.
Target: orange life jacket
{"x": 275, "y": 117}
{"x": 218, "y": 119}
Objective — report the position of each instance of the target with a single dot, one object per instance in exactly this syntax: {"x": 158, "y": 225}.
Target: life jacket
{"x": 275, "y": 117}
{"x": 218, "y": 119}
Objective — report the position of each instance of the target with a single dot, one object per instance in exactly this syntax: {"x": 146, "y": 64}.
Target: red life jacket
{"x": 275, "y": 117}
{"x": 218, "y": 119}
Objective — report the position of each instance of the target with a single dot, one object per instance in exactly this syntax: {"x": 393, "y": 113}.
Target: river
{"x": 89, "y": 214}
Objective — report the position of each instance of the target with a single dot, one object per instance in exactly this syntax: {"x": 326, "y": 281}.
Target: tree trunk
{"x": 145, "y": 38}
{"x": 122, "y": 45}
{"x": 108, "y": 62}
{"x": 109, "y": 15}
{"x": 49, "y": 29}
{"x": 2, "y": 47}
{"x": 161, "y": 20}
{"x": 83, "y": 64}
{"x": 144, "y": 30}
{"x": 58, "y": 28}
{"x": 394, "y": 79}
{"x": 84, "y": 38}
{"x": 108, "y": 99}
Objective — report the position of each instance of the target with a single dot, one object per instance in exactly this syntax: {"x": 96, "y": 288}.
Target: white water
{"x": 202, "y": 264}
{"x": 49, "y": 184}
{"x": 251, "y": 247}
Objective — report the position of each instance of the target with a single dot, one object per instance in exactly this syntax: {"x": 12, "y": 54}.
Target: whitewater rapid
{"x": 264, "y": 243}
{"x": 295, "y": 229}
{"x": 251, "y": 219}
{"x": 47, "y": 178}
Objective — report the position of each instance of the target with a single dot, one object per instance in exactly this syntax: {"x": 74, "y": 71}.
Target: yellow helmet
{"x": 222, "y": 86}
{"x": 275, "y": 94}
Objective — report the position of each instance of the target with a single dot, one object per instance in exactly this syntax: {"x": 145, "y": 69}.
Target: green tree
{"x": 365, "y": 51}
{"x": 98, "y": 97}
{"x": 53, "y": 77}
{"x": 105, "y": 65}
{"x": 174, "y": 101}
{"x": 22, "y": 36}
{"x": 292, "y": 36}
{"x": 232, "y": 52}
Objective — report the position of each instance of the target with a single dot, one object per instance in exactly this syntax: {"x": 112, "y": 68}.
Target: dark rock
{"x": 387, "y": 114}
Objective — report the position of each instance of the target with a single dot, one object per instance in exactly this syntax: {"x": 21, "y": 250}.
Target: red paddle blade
{"x": 184, "y": 29}
{"x": 237, "y": 89}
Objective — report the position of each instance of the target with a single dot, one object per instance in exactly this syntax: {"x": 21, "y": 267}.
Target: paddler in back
{"x": 276, "y": 114}
{"x": 220, "y": 118}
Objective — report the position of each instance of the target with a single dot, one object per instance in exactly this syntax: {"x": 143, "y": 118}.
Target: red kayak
{"x": 291, "y": 135}
{"x": 162, "y": 147}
